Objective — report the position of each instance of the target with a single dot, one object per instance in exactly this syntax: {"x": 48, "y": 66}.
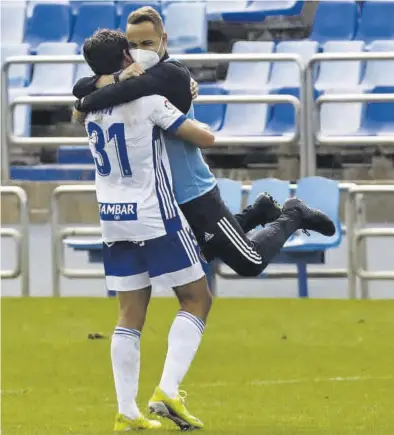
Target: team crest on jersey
{"x": 125, "y": 211}
{"x": 169, "y": 106}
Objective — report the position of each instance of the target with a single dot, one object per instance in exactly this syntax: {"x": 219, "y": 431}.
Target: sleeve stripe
{"x": 177, "y": 123}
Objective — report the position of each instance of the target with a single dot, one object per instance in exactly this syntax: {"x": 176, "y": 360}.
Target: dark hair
{"x": 104, "y": 51}
{"x": 147, "y": 14}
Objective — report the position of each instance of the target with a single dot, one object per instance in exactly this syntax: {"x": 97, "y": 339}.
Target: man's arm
{"x": 85, "y": 86}
{"x": 164, "y": 79}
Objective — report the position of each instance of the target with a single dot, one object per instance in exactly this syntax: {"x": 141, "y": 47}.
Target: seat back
{"x": 92, "y": 16}
{"x": 49, "y": 23}
{"x": 334, "y": 20}
{"x": 231, "y": 193}
{"x": 279, "y": 189}
{"x": 18, "y": 75}
{"x": 12, "y": 22}
{"x": 211, "y": 114}
{"x": 287, "y": 74}
{"x": 379, "y": 116}
{"x": 376, "y": 21}
{"x": 379, "y": 72}
{"x": 283, "y": 115}
{"x": 253, "y": 75}
{"x": 54, "y": 79}
{"x": 340, "y": 74}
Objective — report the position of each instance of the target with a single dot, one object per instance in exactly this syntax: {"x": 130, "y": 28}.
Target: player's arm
{"x": 170, "y": 119}
{"x": 164, "y": 79}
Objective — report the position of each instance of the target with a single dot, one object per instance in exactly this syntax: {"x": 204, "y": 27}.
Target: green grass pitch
{"x": 265, "y": 367}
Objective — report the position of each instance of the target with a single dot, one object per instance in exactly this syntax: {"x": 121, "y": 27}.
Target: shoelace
{"x": 306, "y": 232}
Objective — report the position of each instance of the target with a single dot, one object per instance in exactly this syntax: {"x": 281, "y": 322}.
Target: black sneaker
{"x": 263, "y": 211}
{"x": 312, "y": 219}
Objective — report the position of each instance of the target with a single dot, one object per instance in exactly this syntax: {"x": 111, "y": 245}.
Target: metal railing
{"x": 357, "y": 234}
{"x": 311, "y": 136}
{"x": 8, "y": 139}
{"x": 21, "y": 237}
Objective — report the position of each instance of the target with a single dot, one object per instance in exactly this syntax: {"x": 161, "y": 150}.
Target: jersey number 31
{"x": 100, "y": 139}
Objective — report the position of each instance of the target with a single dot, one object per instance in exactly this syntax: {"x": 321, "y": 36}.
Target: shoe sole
{"x": 162, "y": 410}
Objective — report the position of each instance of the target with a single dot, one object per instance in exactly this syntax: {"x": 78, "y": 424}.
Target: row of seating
{"x": 344, "y": 20}
{"x": 186, "y": 23}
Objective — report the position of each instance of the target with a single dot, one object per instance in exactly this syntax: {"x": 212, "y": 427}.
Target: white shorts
{"x": 169, "y": 261}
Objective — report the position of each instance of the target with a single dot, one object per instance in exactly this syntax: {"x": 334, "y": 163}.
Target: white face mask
{"x": 146, "y": 58}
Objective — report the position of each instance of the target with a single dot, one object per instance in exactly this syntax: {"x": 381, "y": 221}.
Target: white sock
{"x": 183, "y": 341}
{"x": 125, "y": 356}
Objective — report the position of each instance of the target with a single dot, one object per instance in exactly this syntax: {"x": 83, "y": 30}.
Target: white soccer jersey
{"x": 133, "y": 176}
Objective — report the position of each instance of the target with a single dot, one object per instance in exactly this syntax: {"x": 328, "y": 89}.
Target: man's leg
{"x": 174, "y": 262}
{"x": 126, "y": 274}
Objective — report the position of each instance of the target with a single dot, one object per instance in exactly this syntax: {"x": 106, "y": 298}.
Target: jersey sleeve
{"x": 166, "y": 115}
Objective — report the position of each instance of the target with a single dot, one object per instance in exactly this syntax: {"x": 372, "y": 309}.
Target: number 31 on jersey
{"x": 100, "y": 139}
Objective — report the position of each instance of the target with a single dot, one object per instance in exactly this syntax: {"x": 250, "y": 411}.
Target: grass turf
{"x": 265, "y": 366}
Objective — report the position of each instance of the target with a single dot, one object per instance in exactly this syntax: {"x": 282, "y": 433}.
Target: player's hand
{"x": 194, "y": 88}
{"x": 203, "y": 125}
{"x": 78, "y": 116}
{"x": 133, "y": 70}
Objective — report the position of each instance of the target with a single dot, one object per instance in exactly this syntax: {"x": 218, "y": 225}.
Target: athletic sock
{"x": 125, "y": 356}
{"x": 270, "y": 240}
{"x": 184, "y": 339}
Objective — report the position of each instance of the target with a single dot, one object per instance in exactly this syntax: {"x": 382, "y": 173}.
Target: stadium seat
{"x": 82, "y": 70}
{"x": 249, "y": 75}
{"x": 49, "y": 23}
{"x": 334, "y": 20}
{"x": 376, "y": 21}
{"x": 279, "y": 189}
{"x": 127, "y": 7}
{"x": 340, "y": 74}
{"x": 187, "y": 28}
{"x": 337, "y": 119}
{"x": 244, "y": 119}
{"x": 18, "y": 75}
{"x": 12, "y": 22}
{"x": 71, "y": 155}
{"x": 257, "y": 10}
{"x": 282, "y": 118}
{"x": 93, "y": 16}
{"x": 328, "y": 201}
{"x": 379, "y": 72}
{"x": 211, "y": 114}
{"x": 231, "y": 193}
{"x": 53, "y": 79}
{"x": 287, "y": 73}
{"x": 22, "y": 113}
{"x": 378, "y": 117}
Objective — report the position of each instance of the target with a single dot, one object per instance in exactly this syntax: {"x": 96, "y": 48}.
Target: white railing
{"x": 8, "y": 139}
{"x": 21, "y": 237}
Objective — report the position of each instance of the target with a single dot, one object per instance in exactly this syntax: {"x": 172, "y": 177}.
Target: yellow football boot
{"x": 174, "y": 409}
{"x": 124, "y": 424}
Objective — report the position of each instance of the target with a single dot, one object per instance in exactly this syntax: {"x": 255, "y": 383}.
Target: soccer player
{"x": 146, "y": 239}
{"x": 218, "y": 232}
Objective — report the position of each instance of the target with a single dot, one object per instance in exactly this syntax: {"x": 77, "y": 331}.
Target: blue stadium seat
{"x": 231, "y": 193}
{"x": 93, "y": 16}
{"x": 378, "y": 117}
{"x": 18, "y": 75}
{"x": 53, "y": 173}
{"x": 53, "y": 79}
{"x": 127, "y": 7}
{"x": 334, "y": 20}
{"x": 251, "y": 11}
{"x": 82, "y": 70}
{"x": 282, "y": 120}
{"x": 340, "y": 74}
{"x": 76, "y": 4}
{"x": 337, "y": 119}
{"x": 328, "y": 201}
{"x": 244, "y": 119}
{"x": 376, "y": 21}
{"x": 287, "y": 73}
{"x": 379, "y": 72}
{"x": 69, "y": 155}
{"x": 279, "y": 189}
{"x": 187, "y": 28}
{"x": 249, "y": 75}
{"x": 49, "y": 23}
{"x": 12, "y": 22}
{"x": 211, "y": 114}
